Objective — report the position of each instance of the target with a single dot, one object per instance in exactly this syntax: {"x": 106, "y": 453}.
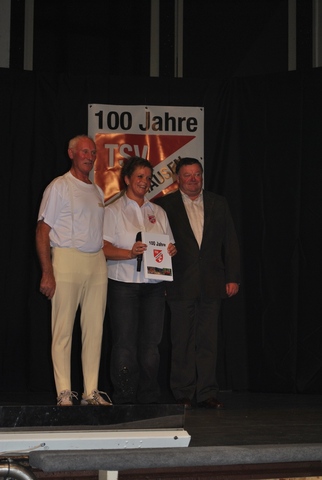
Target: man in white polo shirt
{"x": 69, "y": 240}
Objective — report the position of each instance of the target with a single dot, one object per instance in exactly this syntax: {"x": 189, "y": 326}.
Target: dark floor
{"x": 247, "y": 419}
{"x": 257, "y": 419}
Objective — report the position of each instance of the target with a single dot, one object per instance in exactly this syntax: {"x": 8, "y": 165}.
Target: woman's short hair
{"x": 131, "y": 164}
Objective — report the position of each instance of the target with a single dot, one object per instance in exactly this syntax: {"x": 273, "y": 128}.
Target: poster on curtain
{"x": 161, "y": 134}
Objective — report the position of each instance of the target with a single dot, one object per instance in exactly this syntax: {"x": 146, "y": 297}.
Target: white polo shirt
{"x": 75, "y": 212}
{"x": 123, "y": 220}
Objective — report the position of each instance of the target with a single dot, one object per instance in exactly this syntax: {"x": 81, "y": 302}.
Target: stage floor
{"x": 257, "y": 419}
{"x": 252, "y": 420}
{"x": 247, "y": 419}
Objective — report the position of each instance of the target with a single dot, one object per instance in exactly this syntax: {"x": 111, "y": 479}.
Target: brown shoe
{"x": 186, "y": 402}
{"x": 211, "y": 402}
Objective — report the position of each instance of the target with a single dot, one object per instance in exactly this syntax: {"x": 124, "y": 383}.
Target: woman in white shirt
{"x": 136, "y": 304}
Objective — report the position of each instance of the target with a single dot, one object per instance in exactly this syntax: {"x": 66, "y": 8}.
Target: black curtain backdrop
{"x": 263, "y": 150}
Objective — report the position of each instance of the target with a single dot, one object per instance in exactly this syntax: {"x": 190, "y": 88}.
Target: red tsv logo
{"x": 158, "y": 255}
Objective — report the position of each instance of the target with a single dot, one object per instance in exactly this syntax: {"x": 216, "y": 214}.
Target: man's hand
{"x": 48, "y": 285}
{"x": 47, "y": 282}
{"x": 232, "y": 289}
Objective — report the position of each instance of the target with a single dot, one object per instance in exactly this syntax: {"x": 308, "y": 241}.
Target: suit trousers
{"x": 194, "y": 335}
{"x": 81, "y": 280}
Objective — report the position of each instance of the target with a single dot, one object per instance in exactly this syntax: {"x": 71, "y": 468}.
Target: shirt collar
{"x": 187, "y": 199}
{"x": 128, "y": 201}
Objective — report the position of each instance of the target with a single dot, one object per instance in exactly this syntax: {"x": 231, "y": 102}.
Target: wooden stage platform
{"x": 256, "y": 435}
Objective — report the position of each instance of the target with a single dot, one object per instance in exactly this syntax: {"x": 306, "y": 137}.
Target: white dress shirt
{"x": 195, "y": 212}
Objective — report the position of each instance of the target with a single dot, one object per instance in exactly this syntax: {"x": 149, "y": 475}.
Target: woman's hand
{"x": 138, "y": 249}
{"x": 172, "y": 249}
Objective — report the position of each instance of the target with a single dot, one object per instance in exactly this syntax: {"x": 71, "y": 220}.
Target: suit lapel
{"x": 181, "y": 213}
{"x": 208, "y": 203}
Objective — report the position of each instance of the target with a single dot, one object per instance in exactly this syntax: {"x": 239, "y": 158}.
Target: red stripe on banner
{"x": 112, "y": 148}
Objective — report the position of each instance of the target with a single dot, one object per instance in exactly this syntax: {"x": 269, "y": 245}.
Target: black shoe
{"x": 186, "y": 402}
{"x": 211, "y": 402}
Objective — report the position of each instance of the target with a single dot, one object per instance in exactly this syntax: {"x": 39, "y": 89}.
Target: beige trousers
{"x": 81, "y": 280}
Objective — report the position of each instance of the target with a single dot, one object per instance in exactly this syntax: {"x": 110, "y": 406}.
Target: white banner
{"x": 160, "y": 134}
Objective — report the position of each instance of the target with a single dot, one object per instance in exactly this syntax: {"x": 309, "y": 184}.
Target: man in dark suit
{"x": 206, "y": 269}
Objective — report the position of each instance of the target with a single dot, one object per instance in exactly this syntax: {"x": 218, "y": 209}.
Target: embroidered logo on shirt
{"x": 152, "y": 218}
{"x": 158, "y": 255}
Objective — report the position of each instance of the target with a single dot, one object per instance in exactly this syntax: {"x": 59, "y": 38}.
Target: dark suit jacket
{"x": 216, "y": 263}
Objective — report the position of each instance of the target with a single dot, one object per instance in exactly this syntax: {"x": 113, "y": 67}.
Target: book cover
{"x": 157, "y": 263}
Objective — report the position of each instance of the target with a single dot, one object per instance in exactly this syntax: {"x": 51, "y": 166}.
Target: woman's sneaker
{"x": 65, "y": 398}
{"x": 94, "y": 398}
